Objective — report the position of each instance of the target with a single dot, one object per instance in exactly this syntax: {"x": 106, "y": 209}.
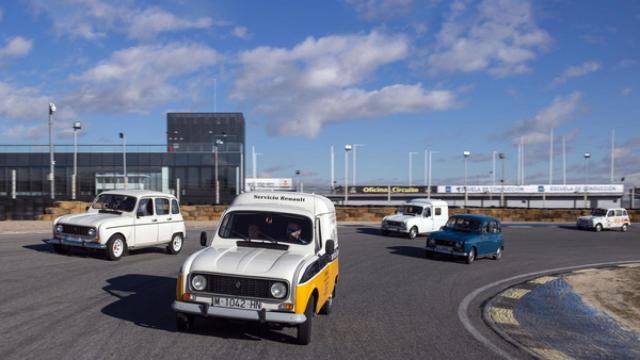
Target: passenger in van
{"x": 294, "y": 233}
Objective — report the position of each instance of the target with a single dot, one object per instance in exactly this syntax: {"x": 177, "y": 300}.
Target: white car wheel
{"x": 625, "y": 227}
{"x": 176, "y": 244}
{"x": 116, "y": 247}
{"x": 413, "y": 233}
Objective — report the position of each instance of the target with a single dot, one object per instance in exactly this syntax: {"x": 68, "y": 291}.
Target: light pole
{"x": 217, "y": 182}
{"x": 587, "y": 156}
{"x": 333, "y": 173}
{"x": 466, "y": 155}
{"x": 429, "y": 172}
{"x": 298, "y": 180}
{"x": 124, "y": 160}
{"x": 355, "y": 148}
{"x": 347, "y": 148}
{"x": 411, "y": 153}
{"x": 502, "y": 156}
{"x": 52, "y": 178}
{"x": 76, "y": 127}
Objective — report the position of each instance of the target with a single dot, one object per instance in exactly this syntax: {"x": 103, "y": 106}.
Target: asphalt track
{"x": 392, "y": 302}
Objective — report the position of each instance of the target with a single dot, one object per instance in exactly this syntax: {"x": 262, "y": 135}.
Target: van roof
{"x": 423, "y": 201}
{"x": 312, "y": 203}
{"x": 137, "y": 193}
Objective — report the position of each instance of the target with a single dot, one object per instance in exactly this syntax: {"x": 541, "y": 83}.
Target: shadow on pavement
{"x": 145, "y": 300}
{"x": 419, "y": 252}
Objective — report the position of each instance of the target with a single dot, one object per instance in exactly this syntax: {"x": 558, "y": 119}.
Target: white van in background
{"x": 418, "y": 216}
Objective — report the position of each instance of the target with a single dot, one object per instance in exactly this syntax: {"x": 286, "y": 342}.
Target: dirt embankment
{"x": 613, "y": 291}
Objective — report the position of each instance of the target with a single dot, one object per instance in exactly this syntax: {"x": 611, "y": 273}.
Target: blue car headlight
{"x": 459, "y": 245}
{"x": 431, "y": 242}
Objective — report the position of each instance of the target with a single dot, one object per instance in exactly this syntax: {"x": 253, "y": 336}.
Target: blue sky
{"x": 394, "y": 75}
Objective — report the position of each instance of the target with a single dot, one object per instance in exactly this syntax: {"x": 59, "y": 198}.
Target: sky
{"x": 397, "y": 76}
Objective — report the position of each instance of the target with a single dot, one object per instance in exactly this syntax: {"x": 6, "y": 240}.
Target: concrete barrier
{"x": 357, "y": 213}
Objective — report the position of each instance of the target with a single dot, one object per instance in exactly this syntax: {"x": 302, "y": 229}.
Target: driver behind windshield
{"x": 294, "y": 233}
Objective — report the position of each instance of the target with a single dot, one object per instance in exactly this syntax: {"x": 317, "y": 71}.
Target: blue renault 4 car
{"x": 469, "y": 236}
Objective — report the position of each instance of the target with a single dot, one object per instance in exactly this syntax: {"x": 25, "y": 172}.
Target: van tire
{"x": 328, "y": 305}
{"x": 304, "y": 329}
{"x": 413, "y": 233}
{"x": 624, "y": 228}
{"x": 598, "y": 227}
{"x": 176, "y": 244}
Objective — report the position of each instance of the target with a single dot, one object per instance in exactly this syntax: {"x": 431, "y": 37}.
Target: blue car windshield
{"x": 463, "y": 224}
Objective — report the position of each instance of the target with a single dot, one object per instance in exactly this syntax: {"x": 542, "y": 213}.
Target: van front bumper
{"x": 252, "y": 315}
{"x": 76, "y": 242}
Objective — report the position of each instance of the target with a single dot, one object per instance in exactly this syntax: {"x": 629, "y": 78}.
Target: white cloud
{"x": 92, "y": 19}
{"x": 320, "y": 81}
{"x": 138, "y": 78}
{"x": 536, "y": 129}
{"x": 626, "y": 91}
{"x": 499, "y": 36}
{"x": 576, "y": 71}
{"x": 380, "y": 9}
{"x": 240, "y": 32}
{"x": 15, "y": 47}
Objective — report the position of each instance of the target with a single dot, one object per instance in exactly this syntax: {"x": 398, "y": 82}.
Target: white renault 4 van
{"x": 418, "y": 216}
{"x": 274, "y": 258}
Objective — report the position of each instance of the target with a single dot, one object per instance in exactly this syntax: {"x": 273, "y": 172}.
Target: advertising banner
{"x": 531, "y": 189}
{"x": 268, "y": 184}
{"x": 383, "y": 189}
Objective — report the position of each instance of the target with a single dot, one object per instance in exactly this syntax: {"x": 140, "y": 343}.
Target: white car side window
{"x": 610, "y": 213}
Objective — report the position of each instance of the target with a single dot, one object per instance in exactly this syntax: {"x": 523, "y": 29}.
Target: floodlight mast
{"x": 52, "y": 178}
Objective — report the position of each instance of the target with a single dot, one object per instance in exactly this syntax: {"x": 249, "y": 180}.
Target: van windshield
{"x": 268, "y": 226}
{"x": 114, "y": 202}
{"x": 410, "y": 210}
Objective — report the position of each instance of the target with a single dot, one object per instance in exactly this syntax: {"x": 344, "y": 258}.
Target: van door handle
{"x": 155, "y": 220}
{"x": 168, "y": 219}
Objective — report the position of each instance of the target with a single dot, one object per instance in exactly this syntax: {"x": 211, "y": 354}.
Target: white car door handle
{"x": 154, "y": 220}
{"x": 168, "y": 219}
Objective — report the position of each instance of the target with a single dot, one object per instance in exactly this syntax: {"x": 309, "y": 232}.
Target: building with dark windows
{"x": 185, "y": 166}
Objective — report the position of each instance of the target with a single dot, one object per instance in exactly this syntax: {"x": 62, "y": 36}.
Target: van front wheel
{"x": 413, "y": 233}
{"x": 304, "y": 329}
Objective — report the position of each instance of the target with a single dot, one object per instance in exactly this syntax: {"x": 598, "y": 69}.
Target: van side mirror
{"x": 330, "y": 247}
{"x": 203, "y": 238}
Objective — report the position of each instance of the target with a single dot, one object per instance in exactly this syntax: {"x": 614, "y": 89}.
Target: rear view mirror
{"x": 86, "y": 209}
{"x": 203, "y": 238}
{"x": 330, "y": 247}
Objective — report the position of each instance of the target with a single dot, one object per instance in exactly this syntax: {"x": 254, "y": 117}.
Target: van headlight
{"x": 278, "y": 290}
{"x": 59, "y": 228}
{"x": 91, "y": 232}
{"x": 199, "y": 282}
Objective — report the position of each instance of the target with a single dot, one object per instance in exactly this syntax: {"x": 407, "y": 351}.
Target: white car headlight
{"x": 91, "y": 232}
{"x": 199, "y": 282}
{"x": 59, "y": 228}
{"x": 278, "y": 290}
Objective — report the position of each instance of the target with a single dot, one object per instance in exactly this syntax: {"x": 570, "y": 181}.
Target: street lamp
{"x": 502, "y": 156}
{"x": 298, "y": 180}
{"x": 52, "y": 178}
{"x": 411, "y": 153}
{"x": 466, "y": 155}
{"x": 355, "y": 148}
{"x": 347, "y": 148}
{"x": 217, "y": 182}
{"x": 429, "y": 172}
{"x": 587, "y": 156}
{"x": 124, "y": 160}
{"x": 76, "y": 127}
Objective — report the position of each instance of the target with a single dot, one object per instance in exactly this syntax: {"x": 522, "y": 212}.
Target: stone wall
{"x": 375, "y": 214}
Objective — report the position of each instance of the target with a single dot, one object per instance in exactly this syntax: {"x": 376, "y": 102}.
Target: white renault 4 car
{"x": 418, "y": 216}
{"x": 614, "y": 218}
{"x": 121, "y": 220}
{"x": 273, "y": 259}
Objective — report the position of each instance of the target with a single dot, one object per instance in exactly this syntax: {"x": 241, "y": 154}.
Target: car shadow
{"x": 48, "y": 248}
{"x": 419, "y": 252}
{"x": 369, "y": 231}
{"x": 145, "y": 300}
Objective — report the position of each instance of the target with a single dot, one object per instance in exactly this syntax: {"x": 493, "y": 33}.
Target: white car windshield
{"x": 114, "y": 202}
{"x": 410, "y": 210}
{"x": 274, "y": 227}
{"x": 599, "y": 212}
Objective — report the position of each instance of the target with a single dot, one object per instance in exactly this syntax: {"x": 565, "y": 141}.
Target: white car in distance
{"x": 118, "y": 221}
{"x": 418, "y": 216}
{"x": 613, "y": 218}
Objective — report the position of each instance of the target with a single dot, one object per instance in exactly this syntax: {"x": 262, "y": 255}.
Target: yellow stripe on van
{"x": 324, "y": 282}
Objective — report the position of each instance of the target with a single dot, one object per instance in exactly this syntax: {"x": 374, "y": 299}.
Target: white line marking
{"x": 463, "y": 308}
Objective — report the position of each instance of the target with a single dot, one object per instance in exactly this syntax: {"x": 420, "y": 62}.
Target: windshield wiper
{"x": 109, "y": 211}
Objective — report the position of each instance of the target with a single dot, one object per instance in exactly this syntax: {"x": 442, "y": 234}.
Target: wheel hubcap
{"x": 177, "y": 243}
{"x": 117, "y": 248}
